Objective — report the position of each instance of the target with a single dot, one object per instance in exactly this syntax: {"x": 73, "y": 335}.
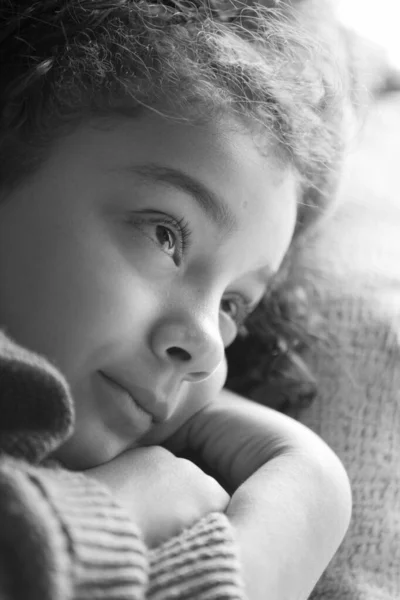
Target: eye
{"x": 166, "y": 238}
{"x": 168, "y": 234}
{"x": 236, "y": 308}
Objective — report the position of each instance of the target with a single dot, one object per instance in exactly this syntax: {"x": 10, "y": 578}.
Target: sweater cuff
{"x": 34, "y": 559}
{"x": 66, "y": 530}
{"x": 202, "y": 563}
{"x": 108, "y": 557}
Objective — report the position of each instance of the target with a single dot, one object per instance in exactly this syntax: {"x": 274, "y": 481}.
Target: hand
{"x": 163, "y": 494}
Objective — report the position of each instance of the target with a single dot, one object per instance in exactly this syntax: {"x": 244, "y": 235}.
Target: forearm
{"x": 291, "y": 503}
{"x": 290, "y": 514}
{"x": 290, "y": 517}
{"x": 235, "y": 436}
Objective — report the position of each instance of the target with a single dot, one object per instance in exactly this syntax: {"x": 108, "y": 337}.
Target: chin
{"x": 80, "y": 454}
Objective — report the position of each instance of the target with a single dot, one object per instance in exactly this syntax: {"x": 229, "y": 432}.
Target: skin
{"x": 95, "y": 282}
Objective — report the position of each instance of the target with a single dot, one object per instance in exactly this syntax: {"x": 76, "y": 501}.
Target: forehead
{"x": 236, "y": 163}
{"x": 253, "y": 189}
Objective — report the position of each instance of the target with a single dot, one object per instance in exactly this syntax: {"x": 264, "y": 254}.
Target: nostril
{"x": 198, "y": 376}
{"x": 179, "y": 354}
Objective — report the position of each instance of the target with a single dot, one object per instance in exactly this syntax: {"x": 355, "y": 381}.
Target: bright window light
{"x": 378, "y": 21}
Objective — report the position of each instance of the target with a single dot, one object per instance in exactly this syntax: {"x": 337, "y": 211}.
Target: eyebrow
{"x": 212, "y": 205}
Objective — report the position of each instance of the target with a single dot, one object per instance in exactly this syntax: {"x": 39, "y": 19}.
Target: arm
{"x": 62, "y": 536}
{"x": 291, "y": 503}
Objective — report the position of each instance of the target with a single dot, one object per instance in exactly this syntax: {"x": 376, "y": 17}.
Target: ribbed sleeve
{"x": 62, "y": 536}
{"x": 108, "y": 557}
{"x": 34, "y": 560}
{"x": 200, "y": 564}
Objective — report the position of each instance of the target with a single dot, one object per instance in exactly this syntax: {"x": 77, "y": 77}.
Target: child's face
{"x": 97, "y": 274}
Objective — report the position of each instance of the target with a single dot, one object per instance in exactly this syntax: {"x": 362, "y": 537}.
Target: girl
{"x": 154, "y": 158}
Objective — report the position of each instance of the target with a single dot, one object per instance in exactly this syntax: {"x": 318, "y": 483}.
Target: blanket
{"x": 351, "y": 267}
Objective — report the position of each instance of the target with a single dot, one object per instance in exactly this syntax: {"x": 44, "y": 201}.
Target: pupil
{"x": 164, "y": 237}
{"x": 227, "y": 306}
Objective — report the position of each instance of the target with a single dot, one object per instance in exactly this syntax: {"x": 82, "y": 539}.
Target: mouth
{"x": 144, "y": 401}
{"x": 141, "y": 418}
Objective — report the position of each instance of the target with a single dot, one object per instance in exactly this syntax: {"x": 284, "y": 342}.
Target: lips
{"x": 143, "y": 398}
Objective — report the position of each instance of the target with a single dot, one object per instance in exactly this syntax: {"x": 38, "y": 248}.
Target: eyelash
{"x": 178, "y": 228}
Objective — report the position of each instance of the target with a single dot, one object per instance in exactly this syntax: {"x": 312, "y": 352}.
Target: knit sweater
{"x": 62, "y": 536}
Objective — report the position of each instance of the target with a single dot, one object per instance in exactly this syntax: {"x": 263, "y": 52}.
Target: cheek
{"x": 68, "y": 294}
{"x": 108, "y": 306}
{"x": 195, "y": 397}
{"x": 205, "y": 392}
{"x": 228, "y": 329}
{"x": 201, "y": 394}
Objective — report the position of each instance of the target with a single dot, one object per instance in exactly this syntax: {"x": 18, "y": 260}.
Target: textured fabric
{"x": 36, "y": 410}
{"x": 184, "y": 576}
{"x": 353, "y": 268}
{"x": 62, "y": 536}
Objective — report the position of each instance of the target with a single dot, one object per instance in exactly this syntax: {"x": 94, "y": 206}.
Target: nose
{"x": 192, "y": 346}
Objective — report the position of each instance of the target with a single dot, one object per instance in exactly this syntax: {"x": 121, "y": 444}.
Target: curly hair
{"x": 66, "y": 61}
